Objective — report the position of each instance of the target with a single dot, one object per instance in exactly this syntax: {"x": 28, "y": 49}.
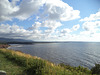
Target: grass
{"x": 18, "y": 63}
{"x": 10, "y": 67}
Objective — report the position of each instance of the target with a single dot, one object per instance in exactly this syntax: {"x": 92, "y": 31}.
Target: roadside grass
{"x": 18, "y": 63}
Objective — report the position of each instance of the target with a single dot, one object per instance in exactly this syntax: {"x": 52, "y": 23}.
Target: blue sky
{"x": 50, "y": 20}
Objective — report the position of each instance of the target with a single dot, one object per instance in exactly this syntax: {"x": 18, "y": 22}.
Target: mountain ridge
{"x": 10, "y": 40}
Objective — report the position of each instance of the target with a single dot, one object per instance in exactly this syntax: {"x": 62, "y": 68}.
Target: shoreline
{"x": 26, "y": 60}
{"x": 10, "y": 53}
{"x": 4, "y": 45}
{"x": 52, "y": 59}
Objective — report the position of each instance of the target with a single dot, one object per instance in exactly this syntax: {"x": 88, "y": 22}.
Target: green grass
{"x": 10, "y": 67}
{"x": 17, "y": 63}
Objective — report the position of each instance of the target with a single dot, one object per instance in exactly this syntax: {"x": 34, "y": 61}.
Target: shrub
{"x": 78, "y": 69}
{"x": 96, "y": 69}
{"x": 36, "y": 68}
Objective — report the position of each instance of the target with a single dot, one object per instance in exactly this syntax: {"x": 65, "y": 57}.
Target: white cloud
{"x": 54, "y": 10}
{"x": 66, "y": 31}
{"x": 80, "y": 37}
{"x": 33, "y": 33}
{"x": 96, "y": 37}
{"x": 10, "y": 10}
{"x": 92, "y": 27}
{"x": 50, "y": 26}
{"x": 28, "y": 8}
{"x": 49, "y": 14}
{"x": 75, "y": 27}
{"x": 91, "y": 31}
{"x": 6, "y": 10}
{"x": 14, "y": 31}
{"x": 58, "y": 10}
{"x": 36, "y": 25}
{"x": 14, "y": 2}
{"x": 92, "y": 17}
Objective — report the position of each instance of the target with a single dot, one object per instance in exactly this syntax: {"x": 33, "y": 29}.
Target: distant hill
{"x": 9, "y": 40}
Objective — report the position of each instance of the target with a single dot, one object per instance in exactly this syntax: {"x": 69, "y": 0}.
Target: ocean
{"x": 85, "y": 54}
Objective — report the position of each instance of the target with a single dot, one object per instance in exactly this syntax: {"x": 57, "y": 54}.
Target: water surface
{"x": 72, "y": 53}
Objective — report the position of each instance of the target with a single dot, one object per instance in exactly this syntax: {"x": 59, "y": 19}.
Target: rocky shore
{"x": 4, "y": 45}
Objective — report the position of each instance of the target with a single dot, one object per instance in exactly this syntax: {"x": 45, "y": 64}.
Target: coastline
{"x": 32, "y": 62}
{"x": 27, "y": 61}
{"x": 4, "y": 45}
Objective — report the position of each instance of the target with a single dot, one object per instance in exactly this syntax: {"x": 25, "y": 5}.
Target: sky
{"x": 50, "y": 20}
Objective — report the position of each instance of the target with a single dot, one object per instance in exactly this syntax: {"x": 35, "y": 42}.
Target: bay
{"x": 85, "y": 54}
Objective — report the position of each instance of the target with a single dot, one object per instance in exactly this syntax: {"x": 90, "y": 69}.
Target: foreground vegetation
{"x": 10, "y": 67}
{"x": 18, "y": 63}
